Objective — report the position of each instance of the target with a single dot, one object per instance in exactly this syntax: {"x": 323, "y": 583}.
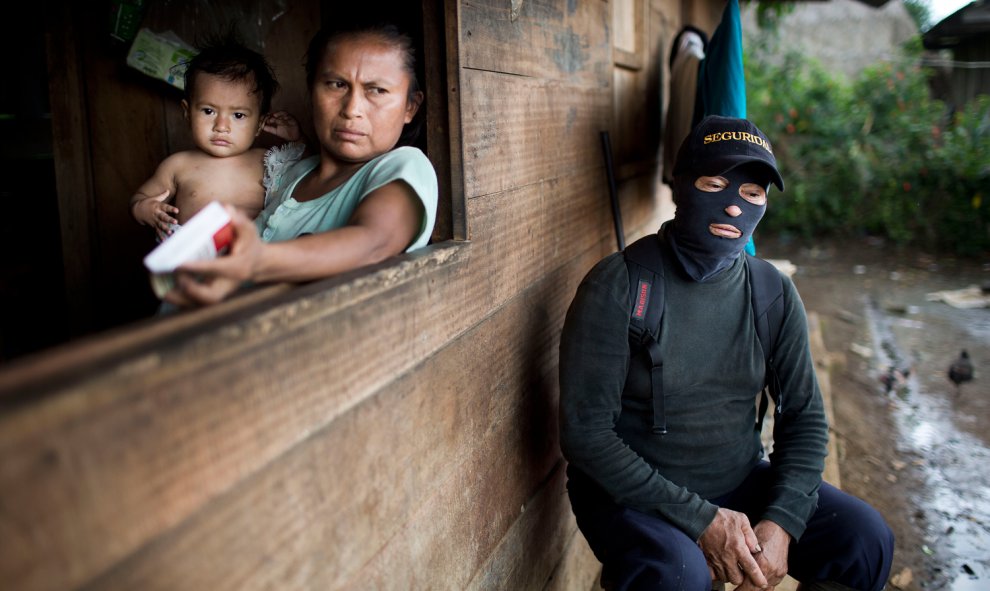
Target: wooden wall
{"x": 392, "y": 428}
{"x": 968, "y": 83}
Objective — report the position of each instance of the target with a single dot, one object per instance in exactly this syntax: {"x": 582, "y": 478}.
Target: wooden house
{"x": 391, "y": 428}
{"x": 966, "y": 35}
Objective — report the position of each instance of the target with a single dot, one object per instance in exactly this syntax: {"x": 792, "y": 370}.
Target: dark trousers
{"x": 846, "y": 540}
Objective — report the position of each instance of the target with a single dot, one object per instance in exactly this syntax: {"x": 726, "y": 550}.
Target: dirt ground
{"x": 914, "y": 447}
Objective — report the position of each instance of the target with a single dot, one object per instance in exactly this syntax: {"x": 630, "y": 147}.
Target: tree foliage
{"x": 921, "y": 12}
{"x": 873, "y": 156}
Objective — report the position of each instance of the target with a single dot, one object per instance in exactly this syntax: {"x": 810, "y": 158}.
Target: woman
{"x": 358, "y": 202}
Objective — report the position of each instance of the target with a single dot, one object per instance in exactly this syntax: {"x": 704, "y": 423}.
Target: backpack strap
{"x": 767, "y": 289}
{"x": 644, "y": 263}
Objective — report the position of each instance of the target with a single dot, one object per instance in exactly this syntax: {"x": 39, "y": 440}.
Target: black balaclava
{"x": 701, "y": 253}
{"x": 737, "y": 150}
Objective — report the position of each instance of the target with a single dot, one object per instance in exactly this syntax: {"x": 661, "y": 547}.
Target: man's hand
{"x": 155, "y": 212}
{"x": 772, "y": 558}
{"x": 207, "y": 282}
{"x": 728, "y": 544}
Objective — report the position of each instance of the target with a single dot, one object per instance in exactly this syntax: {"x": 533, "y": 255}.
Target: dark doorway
{"x": 32, "y": 288}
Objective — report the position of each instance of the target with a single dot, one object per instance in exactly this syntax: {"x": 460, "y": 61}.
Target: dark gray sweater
{"x": 713, "y": 372}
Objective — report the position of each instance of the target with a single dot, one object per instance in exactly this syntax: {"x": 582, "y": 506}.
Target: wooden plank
{"x": 639, "y": 81}
{"x": 578, "y": 567}
{"x": 628, "y": 43}
{"x": 548, "y": 40}
{"x": 520, "y": 131}
{"x": 198, "y": 411}
{"x": 637, "y": 117}
{"x": 458, "y": 198}
{"x": 540, "y": 534}
{"x": 529, "y": 231}
{"x": 442, "y": 106}
{"x": 168, "y": 433}
{"x": 422, "y": 479}
{"x": 479, "y": 500}
{"x": 645, "y": 204}
{"x": 248, "y": 443}
{"x": 820, "y": 354}
{"x": 581, "y": 214}
{"x": 494, "y": 488}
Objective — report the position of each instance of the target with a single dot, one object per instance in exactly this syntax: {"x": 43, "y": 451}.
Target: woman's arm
{"x": 384, "y": 224}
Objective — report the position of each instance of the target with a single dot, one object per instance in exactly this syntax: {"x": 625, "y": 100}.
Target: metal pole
{"x": 620, "y": 235}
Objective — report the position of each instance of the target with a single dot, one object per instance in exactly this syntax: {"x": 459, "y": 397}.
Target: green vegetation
{"x": 873, "y": 156}
{"x": 921, "y": 12}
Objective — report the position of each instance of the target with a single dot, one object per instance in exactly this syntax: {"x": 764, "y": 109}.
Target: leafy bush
{"x": 875, "y": 156}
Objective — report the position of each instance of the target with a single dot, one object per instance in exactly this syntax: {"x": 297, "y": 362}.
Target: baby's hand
{"x": 283, "y": 125}
{"x": 154, "y": 212}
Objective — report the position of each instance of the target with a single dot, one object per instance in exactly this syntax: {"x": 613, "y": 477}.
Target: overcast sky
{"x": 943, "y": 8}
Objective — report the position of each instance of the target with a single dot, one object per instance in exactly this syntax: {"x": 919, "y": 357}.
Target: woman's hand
{"x": 200, "y": 283}
{"x": 155, "y": 212}
{"x": 729, "y": 544}
{"x": 284, "y": 126}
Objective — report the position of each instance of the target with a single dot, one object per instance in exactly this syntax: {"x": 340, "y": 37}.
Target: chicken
{"x": 961, "y": 370}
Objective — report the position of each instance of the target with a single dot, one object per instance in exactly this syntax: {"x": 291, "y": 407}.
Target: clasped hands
{"x": 750, "y": 557}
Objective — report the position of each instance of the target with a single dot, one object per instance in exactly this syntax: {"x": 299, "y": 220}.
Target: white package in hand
{"x": 205, "y": 236}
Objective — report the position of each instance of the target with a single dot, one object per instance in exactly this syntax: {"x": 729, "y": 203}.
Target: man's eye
{"x": 377, "y": 90}
{"x": 754, "y": 194}
{"x": 711, "y": 184}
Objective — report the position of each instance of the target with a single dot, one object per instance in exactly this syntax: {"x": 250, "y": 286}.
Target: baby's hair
{"x": 228, "y": 58}
{"x": 391, "y": 35}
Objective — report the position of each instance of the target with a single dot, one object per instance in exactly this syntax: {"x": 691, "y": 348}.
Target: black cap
{"x": 719, "y": 144}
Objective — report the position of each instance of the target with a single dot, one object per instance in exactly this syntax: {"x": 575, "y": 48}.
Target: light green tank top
{"x": 284, "y": 218}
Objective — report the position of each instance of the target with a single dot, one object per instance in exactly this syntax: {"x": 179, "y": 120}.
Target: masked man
{"x": 666, "y": 471}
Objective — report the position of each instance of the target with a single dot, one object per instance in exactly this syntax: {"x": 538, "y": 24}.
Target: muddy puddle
{"x": 909, "y": 443}
{"x": 955, "y": 466}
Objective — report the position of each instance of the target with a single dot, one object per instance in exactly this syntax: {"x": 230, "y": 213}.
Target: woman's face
{"x": 361, "y": 98}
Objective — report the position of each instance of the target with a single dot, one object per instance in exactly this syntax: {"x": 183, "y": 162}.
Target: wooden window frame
{"x": 633, "y": 60}
{"x": 442, "y": 130}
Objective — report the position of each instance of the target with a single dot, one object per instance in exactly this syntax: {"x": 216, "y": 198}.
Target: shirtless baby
{"x": 228, "y": 90}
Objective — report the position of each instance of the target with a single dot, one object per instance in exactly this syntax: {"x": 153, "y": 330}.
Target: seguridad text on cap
{"x": 719, "y": 144}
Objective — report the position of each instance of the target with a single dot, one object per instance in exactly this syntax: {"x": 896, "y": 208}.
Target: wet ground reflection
{"x": 954, "y": 462}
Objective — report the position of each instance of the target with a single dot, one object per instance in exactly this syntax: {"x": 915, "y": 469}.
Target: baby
{"x": 228, "y": 90}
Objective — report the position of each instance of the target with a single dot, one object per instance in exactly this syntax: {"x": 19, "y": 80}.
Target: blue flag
{"x": 721, "y": 79}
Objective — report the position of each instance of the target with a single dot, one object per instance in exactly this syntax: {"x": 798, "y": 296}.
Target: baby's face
{"x": 224, "y": 115}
